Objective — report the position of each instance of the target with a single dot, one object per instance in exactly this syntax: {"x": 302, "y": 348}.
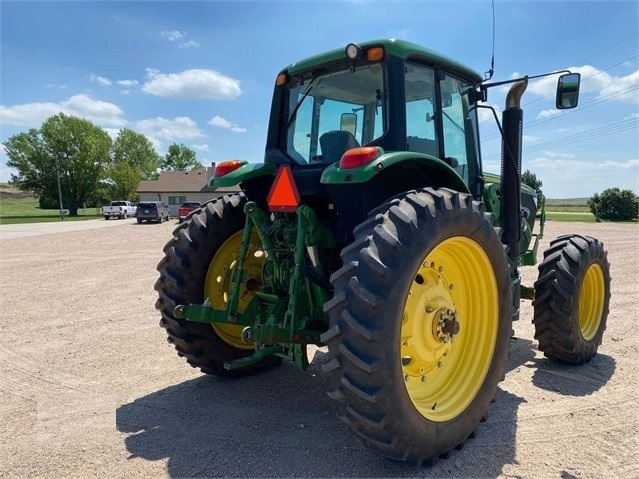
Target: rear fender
{"x": 244, "y": 172}
{"x": 334, "y": 175}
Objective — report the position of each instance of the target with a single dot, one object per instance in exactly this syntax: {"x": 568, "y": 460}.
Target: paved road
{"x": 37, "y": 229}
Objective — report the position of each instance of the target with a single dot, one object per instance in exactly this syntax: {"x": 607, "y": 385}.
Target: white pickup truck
{"x": 118, "y": 209}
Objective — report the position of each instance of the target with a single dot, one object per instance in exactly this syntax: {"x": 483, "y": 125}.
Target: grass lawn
{"x": 20, "y": 208}
{"x": 15, "y": 210}
{"x": 570, "y": 216}
{"x": 567, "y": 209}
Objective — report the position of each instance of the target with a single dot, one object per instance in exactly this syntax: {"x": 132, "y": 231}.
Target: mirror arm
{"x": 485, "y": 86}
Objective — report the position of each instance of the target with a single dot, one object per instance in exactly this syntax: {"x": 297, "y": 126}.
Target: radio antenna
{"x": 489, "y": 73}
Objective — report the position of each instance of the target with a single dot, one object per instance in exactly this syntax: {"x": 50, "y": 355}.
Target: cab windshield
{"x": 330, "y": 113}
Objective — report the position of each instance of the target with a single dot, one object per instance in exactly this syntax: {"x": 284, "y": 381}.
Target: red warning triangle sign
{"x": 283, "y": 195}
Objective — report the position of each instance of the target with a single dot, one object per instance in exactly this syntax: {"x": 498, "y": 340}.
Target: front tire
{"x": 572, "y": 298}
{"x": 198, "y": 264}
{"x": 419, "y": 325}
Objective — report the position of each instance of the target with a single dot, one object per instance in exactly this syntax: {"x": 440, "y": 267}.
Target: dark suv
{"x": 152, "y": 211}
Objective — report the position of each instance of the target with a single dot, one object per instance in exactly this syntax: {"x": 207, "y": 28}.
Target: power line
{"x": 609, "y": 48}
{"x": 594, "y": 102}
{"x": 598, "y": 132}
{"x": 593, "y": 133}
{"x": 593, "y": 56}
{"x": 586, "y": 78}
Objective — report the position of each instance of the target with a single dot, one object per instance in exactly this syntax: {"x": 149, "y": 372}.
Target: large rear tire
{"x": 572, "y": 297}
{"x": 419, "y": 325}
{"x": 198, "y": 264}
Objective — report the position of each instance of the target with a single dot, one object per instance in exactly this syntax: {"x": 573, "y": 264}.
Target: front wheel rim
{"x": 591, "y": 302}
{"x": 449, "y": 328}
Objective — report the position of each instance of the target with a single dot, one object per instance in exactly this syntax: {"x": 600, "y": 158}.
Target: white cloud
{"x": 220, "y": 122}
{"x": 577, "y": 165}
{"x": 60, "y": 86}
{"x": 621, "y": 88}
{"x": 151, "y": 72}
{"x": 112, "y": 132}
{"x": 552, "y": 154}
{"x": 179, "y": 128}
{"x": 529, "y": 138}
{"x": 202, "y": 147}
{"x": 172, "y": 35}
{"x": 127, "y": 83}
{"x": 606, "y": 86}
{"x": 586, "y": 176}
{"x": 548, "y": 113}
{"x": 100, "y": 80}
{"x": 486, "y": 115}
{"x": 81, "y": 105}
{"x": 192, "y": 85}
{"x": 189, "y": 44}
{"x": 175, "y": 35}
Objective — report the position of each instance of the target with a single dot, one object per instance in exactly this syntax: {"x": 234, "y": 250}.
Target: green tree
{"x": 72, "y": 148}
{"x": 530, "y": 179}
{"x": 180, "y": 158}
{"x": 614, "y": 204}
{"x": 133, "y": 158}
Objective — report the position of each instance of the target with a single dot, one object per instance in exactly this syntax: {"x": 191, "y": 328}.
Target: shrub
{"x": 614, "y": 204}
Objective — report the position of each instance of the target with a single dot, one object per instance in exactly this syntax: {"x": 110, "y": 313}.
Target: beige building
{"x": 176, "y": 187}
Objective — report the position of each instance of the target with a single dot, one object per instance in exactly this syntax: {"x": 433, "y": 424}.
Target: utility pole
{"x": 57, "y": 169}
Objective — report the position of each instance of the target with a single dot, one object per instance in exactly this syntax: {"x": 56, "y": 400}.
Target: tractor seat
{"x": 335, "y": 143}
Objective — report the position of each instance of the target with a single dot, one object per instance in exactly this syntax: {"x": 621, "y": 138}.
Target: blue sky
{"x": 202, "y": 73}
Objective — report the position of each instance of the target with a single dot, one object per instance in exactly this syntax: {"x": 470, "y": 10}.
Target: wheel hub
{"x": 448, "y": 325}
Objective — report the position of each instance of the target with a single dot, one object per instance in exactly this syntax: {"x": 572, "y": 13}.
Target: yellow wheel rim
{"x": 217, "y": 287}
{"x": 591, "y": 302}
{"x": 449, "y": 328}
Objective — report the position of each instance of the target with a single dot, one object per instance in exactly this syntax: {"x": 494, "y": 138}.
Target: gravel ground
{"x": 90, "y": 387}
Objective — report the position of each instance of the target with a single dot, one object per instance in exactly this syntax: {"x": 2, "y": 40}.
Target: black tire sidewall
{"x": 563, "y": 308}
{"x": 183, "y": 273}
{"x": 441, "y": 229}
{"x": 410, "y": 430}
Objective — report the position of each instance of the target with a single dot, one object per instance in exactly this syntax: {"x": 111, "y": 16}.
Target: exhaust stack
{"x": 510, "y": 219}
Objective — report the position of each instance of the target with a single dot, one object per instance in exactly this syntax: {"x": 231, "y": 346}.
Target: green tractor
{"x": 372, "y": 229}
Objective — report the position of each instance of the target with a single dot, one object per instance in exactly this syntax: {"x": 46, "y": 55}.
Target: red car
{"x": 186, "y": 209}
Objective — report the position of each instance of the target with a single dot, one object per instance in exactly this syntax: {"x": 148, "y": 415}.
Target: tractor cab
{"x": 363, "y": 124}
{"x": 406, "y": 99}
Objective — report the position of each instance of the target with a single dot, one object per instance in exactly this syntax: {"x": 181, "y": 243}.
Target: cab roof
{"x": 398, "y": 48}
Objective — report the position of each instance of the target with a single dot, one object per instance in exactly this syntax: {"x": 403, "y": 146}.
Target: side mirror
{"x": 348, "y": 122}
{"x": 568, "y": 91}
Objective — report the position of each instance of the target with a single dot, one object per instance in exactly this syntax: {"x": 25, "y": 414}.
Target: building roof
{"x": 182, "y": 182}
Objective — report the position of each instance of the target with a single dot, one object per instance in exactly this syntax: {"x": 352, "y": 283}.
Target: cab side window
{"x": 457, "y": 125}
{"x": 421, "y": 134}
